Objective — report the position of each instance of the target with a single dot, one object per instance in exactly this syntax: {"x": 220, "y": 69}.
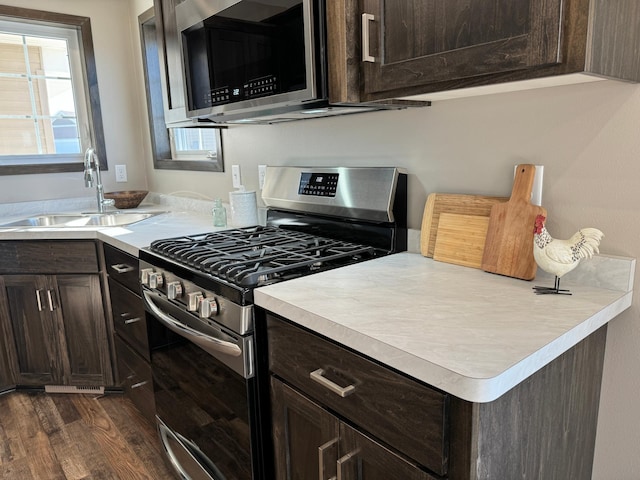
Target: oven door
{"x": 206, "y": 410}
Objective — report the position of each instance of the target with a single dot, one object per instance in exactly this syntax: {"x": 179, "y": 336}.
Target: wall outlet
{"x": 262, "y": 172}
{"x": 121, "y": 173}
{"x": 536, "y": 191}
{"x": 235, "y": 176}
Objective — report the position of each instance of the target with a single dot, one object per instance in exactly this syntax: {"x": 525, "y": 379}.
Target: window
{"x": 46, "y": 71}
{"x": 175, "y": 148}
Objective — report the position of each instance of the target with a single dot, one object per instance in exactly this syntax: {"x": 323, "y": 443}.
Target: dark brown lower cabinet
{"x": 55, "y": 329}
{"x": 339, "y": 415}
{"x": 130, "y": 330}
{"x": 53, "y": 314}
{"x": 311, "y": 443}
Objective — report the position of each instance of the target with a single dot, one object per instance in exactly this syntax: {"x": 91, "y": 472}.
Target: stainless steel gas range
{"x": 198, "y": 291}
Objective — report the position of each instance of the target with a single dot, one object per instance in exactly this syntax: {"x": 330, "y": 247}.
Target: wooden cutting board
{"x": 454, "y": 203}
{"x": 461, "y": 239}
{"x": 509, "y": 244}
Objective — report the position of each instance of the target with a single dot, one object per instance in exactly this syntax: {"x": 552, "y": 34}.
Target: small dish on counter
{"x": 128, "y": 198}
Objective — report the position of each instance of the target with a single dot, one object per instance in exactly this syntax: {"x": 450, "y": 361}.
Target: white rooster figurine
{"x": 559, "y": 257}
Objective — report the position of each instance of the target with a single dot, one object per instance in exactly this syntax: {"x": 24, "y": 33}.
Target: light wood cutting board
{"x": 454, "y": 203}
{"x": 509, "y": 245}
{"x": 461, "y": 239}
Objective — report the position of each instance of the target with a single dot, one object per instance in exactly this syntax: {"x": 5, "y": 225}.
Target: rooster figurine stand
{"x": 559, "y": 257}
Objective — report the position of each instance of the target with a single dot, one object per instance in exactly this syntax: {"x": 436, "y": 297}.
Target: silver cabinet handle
{"x": 332, "y": 446}
{"x": 366, "y": 56}
{"x": 139, "y": 384}
{"x": 129, "y": 320}
{"x": 317, "y": 376}
{"x": 344, "y": 461}
{"x": 39, "y": 300}
{"x": 122, "y": 268}
{"x": 50, "y": 298}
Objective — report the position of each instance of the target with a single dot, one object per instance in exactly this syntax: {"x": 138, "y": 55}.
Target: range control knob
{"x": 208, "y": 307}
{"x": 156, "y": 280}
{"x": 144, "y": 276}
{"x": 174, "y": 290}
{"x": 193, "y": 301}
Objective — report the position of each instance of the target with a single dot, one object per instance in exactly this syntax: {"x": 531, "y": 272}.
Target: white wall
{"x": 586, "y": 136}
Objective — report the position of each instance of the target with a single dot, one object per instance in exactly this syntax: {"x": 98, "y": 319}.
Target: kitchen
{"x": 585, "y": 135}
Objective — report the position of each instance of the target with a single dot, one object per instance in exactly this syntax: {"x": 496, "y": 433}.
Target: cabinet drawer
{"x": 136, "y": 379}
{"x": 129, "y": 318}
{"x": 122, "y": 267}
{"x": 56, "y": 256}
{"x": 405, "y": 414}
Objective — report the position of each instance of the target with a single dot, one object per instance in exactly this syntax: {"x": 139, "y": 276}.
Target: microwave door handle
{"x": 207, "y": 342}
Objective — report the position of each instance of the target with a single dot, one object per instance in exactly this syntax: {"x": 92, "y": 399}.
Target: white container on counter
{"x": 243, "y": 208}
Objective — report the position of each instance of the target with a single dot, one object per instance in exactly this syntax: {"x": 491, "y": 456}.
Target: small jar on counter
{"x": 219, "y": 214}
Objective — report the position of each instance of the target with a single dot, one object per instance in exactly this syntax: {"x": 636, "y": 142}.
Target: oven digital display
{"x": 318, "y": 184}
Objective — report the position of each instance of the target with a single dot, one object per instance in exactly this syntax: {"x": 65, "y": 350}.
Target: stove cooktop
{"x": 257, "y": 256}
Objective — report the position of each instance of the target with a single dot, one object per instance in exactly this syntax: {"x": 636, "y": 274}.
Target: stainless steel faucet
{"x": 92, "y": 178}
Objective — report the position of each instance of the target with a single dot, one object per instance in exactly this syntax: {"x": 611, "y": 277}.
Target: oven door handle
{"x": 206, "y": 342}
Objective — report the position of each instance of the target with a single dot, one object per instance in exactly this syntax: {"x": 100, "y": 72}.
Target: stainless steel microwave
{"x": 256, "y": 60}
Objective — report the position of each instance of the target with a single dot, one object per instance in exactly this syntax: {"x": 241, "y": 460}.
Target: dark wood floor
{"x": 76, "y": 436}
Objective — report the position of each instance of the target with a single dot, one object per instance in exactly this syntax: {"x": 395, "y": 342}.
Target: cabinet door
{"x": 416, "y": 42}
{"x": 84, "y": 340}
{"x": 361, "y": 458}
{"x": 6, "y": 379}
{"x": 31, "y": 345}
{"x": 305, "y": 436}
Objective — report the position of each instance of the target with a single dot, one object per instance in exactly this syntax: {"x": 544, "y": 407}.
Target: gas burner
{"x": 257, "y": 256}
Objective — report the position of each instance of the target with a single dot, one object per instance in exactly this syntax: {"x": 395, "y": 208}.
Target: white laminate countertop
{"x": 470, "y": 333}
{"x": 176, "y": 219}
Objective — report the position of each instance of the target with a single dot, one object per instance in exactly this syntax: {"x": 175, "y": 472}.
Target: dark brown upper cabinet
{"x": 389, "y": 49}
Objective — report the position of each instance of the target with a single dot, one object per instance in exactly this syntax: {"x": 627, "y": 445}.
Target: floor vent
{"x": 69, "y": 389}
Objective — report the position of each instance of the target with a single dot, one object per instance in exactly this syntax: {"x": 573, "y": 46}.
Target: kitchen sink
{"x": 61, "y": 220}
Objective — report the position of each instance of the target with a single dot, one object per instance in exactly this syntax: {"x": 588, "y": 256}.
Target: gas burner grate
{"x": 258, "y": 256}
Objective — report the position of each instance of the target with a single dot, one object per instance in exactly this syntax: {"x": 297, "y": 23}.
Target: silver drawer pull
{"x": 317, "y": 376}
{"x": 122, "y": 268}
{"x": 132, "y": 320}
{"x": 139, "y": 384}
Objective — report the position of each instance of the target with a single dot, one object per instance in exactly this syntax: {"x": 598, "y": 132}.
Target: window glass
{"x": 46, "y": 119}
